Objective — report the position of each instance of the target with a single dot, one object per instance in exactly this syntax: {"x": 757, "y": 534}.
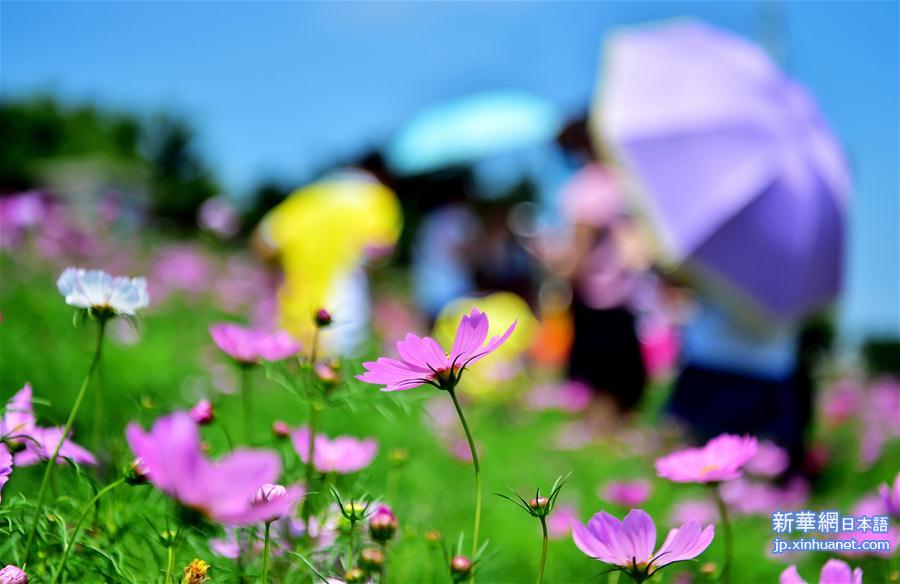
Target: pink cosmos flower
{"x": 720, "y": 459}
{"x": 13, "y": 575}
{"x": 276, "y": 500}
{"x": 833, "y": 572}
{"x": 699, "y": 510}
{"x": 343, "y": 454}
{"x": 559, "y": 522}
{"x": 250, "y": 346}
{"x": 18, "y": 424}
{"x": 626, "y": 493}
{"x": 571, "y": 396}
{"x": 224, "y": 490}
{"x": 629, "y": 544}
{"x": 6, "y": 466}
{"x": 423, "y": 361}
{"x": 890, "y": 494}
{"x": 770, "y": 460}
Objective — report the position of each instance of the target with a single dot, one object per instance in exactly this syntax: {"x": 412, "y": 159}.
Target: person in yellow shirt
{"x": 323, "y": 235}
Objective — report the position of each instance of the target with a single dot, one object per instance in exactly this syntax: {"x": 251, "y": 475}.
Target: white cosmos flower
{"x": 95, "y": 289}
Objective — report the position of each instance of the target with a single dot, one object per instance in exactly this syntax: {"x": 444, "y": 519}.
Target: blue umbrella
{"x": 469, "y": 129}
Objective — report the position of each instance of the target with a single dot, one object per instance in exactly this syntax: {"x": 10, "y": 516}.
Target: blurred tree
{"x": 36, "y": 132}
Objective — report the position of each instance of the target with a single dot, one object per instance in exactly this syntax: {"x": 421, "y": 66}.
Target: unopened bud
{"x": 372, "y": 559}
{"x": 382, "y": 524}
{"x": 136, "y": 472}
{"x": 202, "y": 413}
{"x": 14, "y": 446}
{"x": 398, "y": 456}
{"x": 168, "y": 538}
{"x": 326, "y": 373}
{"x": 433, "y": 536}
{"x": 539, "y": 504}
{"x": 355, "y": 576}
{"x": 460, "y": 566}
{"x": 709, "y": 568}
{"x": 195, "y": 572}
{"x": 280, "y": 429}
{"x": 322, "y": 318}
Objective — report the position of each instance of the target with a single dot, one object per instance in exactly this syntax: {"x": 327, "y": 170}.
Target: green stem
{"x": 726, "y": 534}
{"x": 87, "y": 509}
{"x": 352, "y": 542}
{"x": 310, "y": 466}
{"x": 540, "y": 577}
{"x": 245, "y": 399}
{"x": 98, "y": 410}
{"x": 265, "y": 570}
{"x": 477, "y": 468}
{"x": 170, "y": 565}
{"x": 51, "y": 462}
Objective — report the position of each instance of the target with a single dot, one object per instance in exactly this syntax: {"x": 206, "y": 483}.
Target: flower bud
{"x": 382, "y": 524}
{"x": 280, "y": 429}
{"x": 539, "y": 504}
{"x": 136, "y": 472}
{"x": 355, "y": 576}
{"x": 460, "y": 566}
{"x": 195, "y": 572}
{"x": 398, "y": 456}
{"x": 372, "y": 559}
{"x": 168, "y": 538}
{"x": 326, "y": 373}
{"x": 14, "y": 446}
{"x": 709, "y": 568}
{"x": 433, "y": 537}
{"x": 322, "y": 318}
{"x": 13, "y": 575}
{"x": 202, "y": 413}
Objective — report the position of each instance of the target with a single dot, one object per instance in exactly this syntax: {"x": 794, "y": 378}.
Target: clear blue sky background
{"x": 278, "y": 89}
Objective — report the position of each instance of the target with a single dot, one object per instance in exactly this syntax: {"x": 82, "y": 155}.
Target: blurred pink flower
{"x": 629, "y": 544}
{"x": 746, "y": 497}
{"x": 560, "y": 520}
{"x": 841, "y": 401}
{"x": 459, "y": 449}
{"x": 870, "y": 505}
{"x": 343, "y": 454}
{"x": 224, "y": 490}
{"x": 13, "y": 575}
{"x": 699, "y": 510}
{"x": 180, "y": 268}
{"x": 6, "y": 466}
{"x": 626, "y": 493}
{"x": 833, "y": 572}
{"x": 202, "y": 413}
{"x": 218, "y": 215}
{"x": 571, "y": 396}
{"x": 770, "y": 460}
{"x": 721, "y": 459}
{"x": 879, "y": 419}
{"x": 423, "y": 361}
{"x": 890, "y": 495}
{"x": 277, "y": 500}
{"x": 250, "y": 346}
{"x": 19, "y": 425}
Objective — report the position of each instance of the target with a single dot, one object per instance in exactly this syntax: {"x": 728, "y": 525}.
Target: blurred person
{"x": 324, "y": 236}
{"x": 603, "y": 273}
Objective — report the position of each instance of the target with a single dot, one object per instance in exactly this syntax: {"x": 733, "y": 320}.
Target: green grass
{"x": 167, "y": 369}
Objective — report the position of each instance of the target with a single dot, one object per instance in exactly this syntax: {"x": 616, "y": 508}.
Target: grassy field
{"x": 168, "y": 368}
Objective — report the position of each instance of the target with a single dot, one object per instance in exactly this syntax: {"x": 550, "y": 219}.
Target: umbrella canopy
{"x": 468, "y": 129}
{"x": 740, "y": 174}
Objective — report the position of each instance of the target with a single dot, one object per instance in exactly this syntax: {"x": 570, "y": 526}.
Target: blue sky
{"x": 279, "y": 89}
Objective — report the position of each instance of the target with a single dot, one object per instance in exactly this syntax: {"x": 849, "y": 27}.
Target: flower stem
{"x": 352, "y": 542}
{"x": 245, "y": 398}
{"x": 51, "y": 462}
{"x": 265, "y": 570}
{"x": 477, "y": 468}
{"x": 310, "y": 465}
{"x": 726, "y": 534}
{"x": 87, "y": 509}
{"x": 540, "y": 577}
{"x": 170, "y": 564}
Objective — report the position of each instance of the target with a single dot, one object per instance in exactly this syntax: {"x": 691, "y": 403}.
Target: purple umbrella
{"x": 738, "y": 171}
